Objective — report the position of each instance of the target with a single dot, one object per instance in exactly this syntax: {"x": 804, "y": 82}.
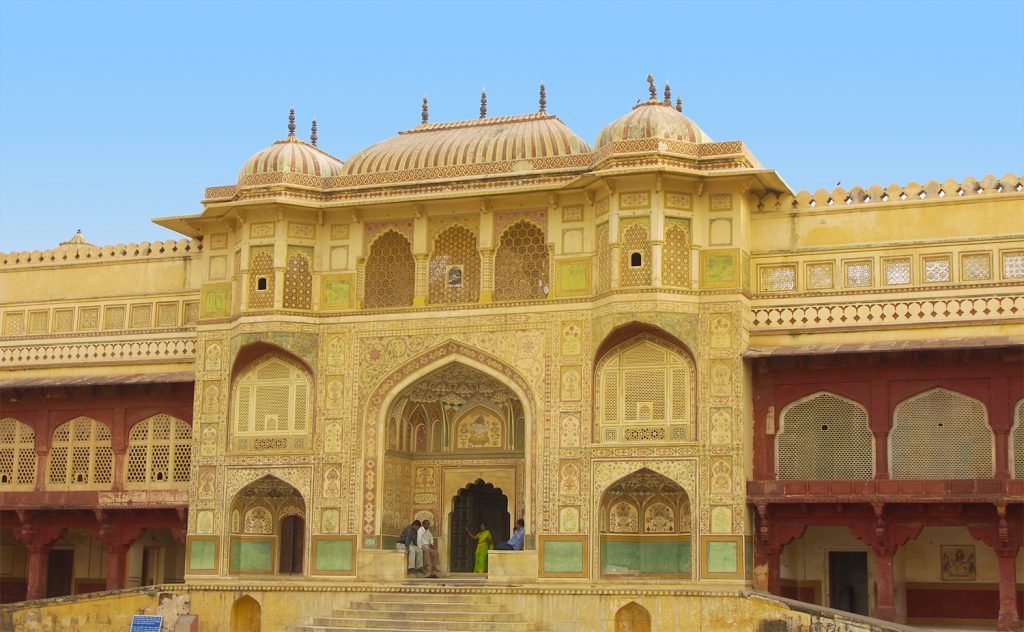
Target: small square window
{"x": 453, "y": 276}
{"x": 261, "y": 284}
{"x": 636, "y": 260}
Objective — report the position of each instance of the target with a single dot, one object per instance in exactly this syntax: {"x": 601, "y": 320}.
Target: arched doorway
{"x": 632, "y": 617}
{"x": 268, "y": 516}
{"x": 476, "y": 503}
{"x": 645, "y": 523}
{"x": 245, "y": 615}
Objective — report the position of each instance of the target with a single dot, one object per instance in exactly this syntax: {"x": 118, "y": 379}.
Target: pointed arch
{"x": 824, "y": 436}
{"x": 521, "y": 263}
{"x": 246, "y": 615}
{"x": 159, "y": 453}
{"x": 941, "y": 434}
{"x": 18, "y": 460}
{"x": 632, "y": 617}
{"x": 271, "y": 405}
{"x": 81, "y": 456}
{"x": 635, "y": 257}
{"x": 454, "y": 270}
{"x": 389, "y": 272}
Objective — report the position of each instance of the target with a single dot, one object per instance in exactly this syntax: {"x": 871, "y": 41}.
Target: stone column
{"x": 38, "y": 556}
{"x": 773, "y": 555}
{"x": 885, "y": 602}
{"x": 1008, "y": 618}
{"x": 117, "y": 554}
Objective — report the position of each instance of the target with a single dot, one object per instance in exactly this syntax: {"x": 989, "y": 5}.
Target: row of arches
{"x": 937, "y": 434}
{"x": 81, "y": 454}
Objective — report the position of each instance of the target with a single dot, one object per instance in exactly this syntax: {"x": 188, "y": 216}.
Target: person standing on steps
{"x": 407, "y": 542}
{"x": 431, "y": 559}
{"x": 483, "y": 545}
{"x": 515, "y": 543}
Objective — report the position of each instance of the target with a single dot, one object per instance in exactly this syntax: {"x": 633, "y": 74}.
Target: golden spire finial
{"x": 543, "y": 99}
{"x": 679, "y": 105}
{"x": 425, "y": 114}
{"x": 651, "y": 88}
{"x": 483, "y": 103}
{"x": 312, "y": 134}
{"x": 291, "y": 122}
{"x": 668, "y": 94}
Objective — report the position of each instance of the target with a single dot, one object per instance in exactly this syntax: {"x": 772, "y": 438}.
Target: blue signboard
{"x": 146, "y": 623}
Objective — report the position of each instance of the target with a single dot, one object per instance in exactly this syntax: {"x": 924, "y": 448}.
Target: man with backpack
{"x": 407, "y": 542}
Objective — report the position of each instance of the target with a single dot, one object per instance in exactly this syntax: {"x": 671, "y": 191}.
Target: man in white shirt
{"x": 431, "y": 559}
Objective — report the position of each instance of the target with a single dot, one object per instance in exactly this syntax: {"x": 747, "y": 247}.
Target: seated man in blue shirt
{"x": 515, "y": 543}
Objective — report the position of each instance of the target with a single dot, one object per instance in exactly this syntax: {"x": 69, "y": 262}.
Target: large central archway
{"x": 447, "y": 427}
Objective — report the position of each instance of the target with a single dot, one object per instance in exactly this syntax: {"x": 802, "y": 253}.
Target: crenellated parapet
{"x": 892, "y": 194}
{"x": 71, "y": 253}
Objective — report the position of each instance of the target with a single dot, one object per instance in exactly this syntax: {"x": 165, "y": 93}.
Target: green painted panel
{"x": 563, "y": 557}
{"x": 252, "y": 556}
{"x": 723, "y": 557}
{"x": 671, "y": 558}
{"x": 748, "y": 556}
{"x": 334, "y": 555}
{"x": 719, "y": 268}
{"x": 202, "y": 555}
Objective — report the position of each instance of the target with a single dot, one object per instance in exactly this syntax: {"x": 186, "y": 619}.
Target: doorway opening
{"x": 476, "y": 503}
{"x": 848, "y": 581}
{"x": 293, "y": 529}
{"x": 60, "y": 566}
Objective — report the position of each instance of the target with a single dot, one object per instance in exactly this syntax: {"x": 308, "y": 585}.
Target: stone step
{"x": 438, "y": 615}
{"x": 356, "y": 628}
{"x": 408, "y": 596}
{"x": 424, "y": 606}
{"x": 414, "y": 622}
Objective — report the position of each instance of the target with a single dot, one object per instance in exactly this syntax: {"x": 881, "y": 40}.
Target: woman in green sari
{"x": 483, "y": 544}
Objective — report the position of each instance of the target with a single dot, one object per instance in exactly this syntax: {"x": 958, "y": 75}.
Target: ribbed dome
{"x": 291, "y": 156}
{"x": 429, "y": 150}
{"x": 653, "y": 119}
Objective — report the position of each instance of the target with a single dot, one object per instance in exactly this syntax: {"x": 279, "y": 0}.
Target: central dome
{"x": 463, "y": 148}
{"x": 291, "y": 156}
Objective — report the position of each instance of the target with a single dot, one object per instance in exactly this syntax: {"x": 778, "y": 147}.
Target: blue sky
{"x": 112, "y": 113}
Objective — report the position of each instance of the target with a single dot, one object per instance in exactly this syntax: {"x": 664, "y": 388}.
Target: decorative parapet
{"x": 173, "y": 348}
{"x": 74, "y": 253}
{"x": 892, "y": 194}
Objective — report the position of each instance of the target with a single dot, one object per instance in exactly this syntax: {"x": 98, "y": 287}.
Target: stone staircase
{"x": 421, "y": 612}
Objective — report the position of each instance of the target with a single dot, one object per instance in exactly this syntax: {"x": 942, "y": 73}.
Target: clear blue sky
{"x": 113, "y": 113}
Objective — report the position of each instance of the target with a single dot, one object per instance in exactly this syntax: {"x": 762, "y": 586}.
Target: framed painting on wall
{"x": 958, "y": 563}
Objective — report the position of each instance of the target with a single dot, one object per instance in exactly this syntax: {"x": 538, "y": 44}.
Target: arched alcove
{"x": 645, "y": 525}
{"x": 632, "y": 617}
{"x": 824, "y": 437}
{"x": 246, "y": 615}
{"x": 269, "y": 534}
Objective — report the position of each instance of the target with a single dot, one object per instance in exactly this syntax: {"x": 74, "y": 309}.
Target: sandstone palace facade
{"x": 682, "y": 375}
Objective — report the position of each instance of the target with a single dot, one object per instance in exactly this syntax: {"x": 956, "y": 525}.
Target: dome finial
{"x": 291, "y": 122}
{"x": 425, "y": 114}
{"x": 483, "y": 103}
{"x": 543, "y": 99}
{"x": 312, "y": 134}
{"x": 679, "y": 105}
{"x": 651, "y": 88}
{"x": 668, "y": 94}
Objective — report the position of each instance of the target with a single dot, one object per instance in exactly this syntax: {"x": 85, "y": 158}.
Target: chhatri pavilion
{"x": 691, "y": 382}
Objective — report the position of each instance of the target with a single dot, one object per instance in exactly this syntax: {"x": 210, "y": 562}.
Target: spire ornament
{"x": 312, "y": 134}
{"x": 425, "y": 114}
{"x": 651, "y": 88}
{"x": 679, "y": 105}
{"x": 543, "y": 99}
{"x": 668, "y": 94}
{"x": 291, "y": 122}
{"x": 483, "y": 103}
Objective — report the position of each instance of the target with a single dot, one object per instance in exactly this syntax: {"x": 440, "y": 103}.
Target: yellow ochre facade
{"x": 489, "y": 319}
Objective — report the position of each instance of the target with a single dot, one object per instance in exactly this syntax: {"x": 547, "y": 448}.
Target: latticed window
{"x": 80, "y": 456}
{"x": 521, "y": 263}
{"x": 941, "y": 434}
{"x": 261, "y": 278}
{"x": 390, "y": 272}
{"x": 825, "y": 437}
{"x": 676, "y": 256}
{"x": 645, "y": 392}
{"x": 455, "y": 267}
{"x": 298, "y": 281}
{"x": 159, "y": 452}
{"x": 271, "y": 406}
{"x": 604, "y": 260}
{"x": 635, "y": 264}
{"x": 17, "y": 455}
{"x": 1017, "y": 440}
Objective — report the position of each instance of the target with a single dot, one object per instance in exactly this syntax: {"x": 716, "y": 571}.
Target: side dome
{"x": 290, "y": 156}
{"x": 488, "y": 146}
{"x": 653, "y": 119}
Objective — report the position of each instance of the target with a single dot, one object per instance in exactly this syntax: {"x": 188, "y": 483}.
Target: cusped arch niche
{"x": 644, "y": 392}
{"x": 824, "y": 437}
{"x": 645, "y": 522}
{"x": 271, "y": 405}
{"x": 941, "y": 434}
{"x": 268, "y": 528}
